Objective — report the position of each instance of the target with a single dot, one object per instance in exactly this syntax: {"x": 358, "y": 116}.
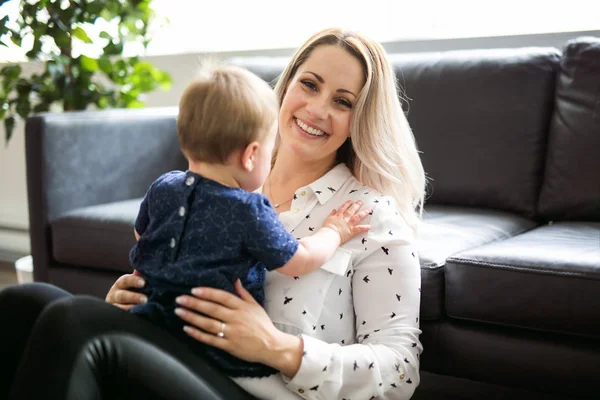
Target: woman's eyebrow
{"x": 321, "y": 80}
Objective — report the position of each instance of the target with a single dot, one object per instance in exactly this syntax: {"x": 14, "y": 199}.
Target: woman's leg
{"x": 123, "y": 366}
{"x": 82, "y": 347}
{"x": 20, "y": 307}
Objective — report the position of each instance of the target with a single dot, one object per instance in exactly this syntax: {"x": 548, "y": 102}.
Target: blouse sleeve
{"x": 384, "y": 361}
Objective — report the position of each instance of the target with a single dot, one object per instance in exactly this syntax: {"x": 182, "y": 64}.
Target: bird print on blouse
{"x": 363, "y": 294}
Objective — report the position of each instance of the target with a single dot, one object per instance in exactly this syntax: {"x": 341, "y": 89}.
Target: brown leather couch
{"x": 510, "y": 248}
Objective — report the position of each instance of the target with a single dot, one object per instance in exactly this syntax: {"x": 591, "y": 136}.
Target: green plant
{"x": 59, "y": 35}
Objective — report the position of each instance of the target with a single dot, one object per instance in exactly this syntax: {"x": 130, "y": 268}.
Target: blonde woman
{"x": 347, "y": 330}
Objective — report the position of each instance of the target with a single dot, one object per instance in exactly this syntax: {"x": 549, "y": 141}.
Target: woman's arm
{"x": 384, "y": 362}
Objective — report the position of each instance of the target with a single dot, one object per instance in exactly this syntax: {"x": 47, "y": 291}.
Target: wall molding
{"x": 14, "y": 228}
{"x": 554, "y": 39}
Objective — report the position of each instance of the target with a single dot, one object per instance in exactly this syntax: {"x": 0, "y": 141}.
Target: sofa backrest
{"x": 480, "y": 118}
{"x": 79, "y": 159}
{"x": 268, "y": 68}
{"x": 571, "y": 188}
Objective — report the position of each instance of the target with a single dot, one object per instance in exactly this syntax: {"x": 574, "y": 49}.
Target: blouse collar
{"x": 327, "y": 185}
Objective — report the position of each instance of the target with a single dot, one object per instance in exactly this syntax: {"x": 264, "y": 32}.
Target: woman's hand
{"x": 248, "y": 331}
{"x": 120, "y": 293}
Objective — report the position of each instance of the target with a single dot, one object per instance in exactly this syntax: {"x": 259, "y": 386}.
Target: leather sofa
{"x": 510, "y": 245}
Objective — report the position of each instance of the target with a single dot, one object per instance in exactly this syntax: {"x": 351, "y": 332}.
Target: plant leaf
{"x": 23, "y": 107}
{"x": 9, "y": 126}
{"x": 3, "y": 22}
{"x": 113, "y": 49}
{"x": 11, "y": 71}
{"x": 16, "y": 38}
{"x": 10, "y": 74}
{"x": 62, "y": 39}
{"x": 89, "y": 64}
{"x": 35, "y": 50}
{"x": 105, "y": 65}
{"x": 80, "y": 34}
{"x": 135, "y": 104}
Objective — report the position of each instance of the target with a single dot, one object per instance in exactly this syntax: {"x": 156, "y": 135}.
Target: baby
{"x": 207, "y": 226}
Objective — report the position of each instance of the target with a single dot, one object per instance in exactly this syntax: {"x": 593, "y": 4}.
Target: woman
{"x": 348, "y": 330}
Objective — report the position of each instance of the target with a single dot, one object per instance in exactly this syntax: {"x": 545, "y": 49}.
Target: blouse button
{"x": 181, "y": 211}
{"x": 303, "y": 193}
{"x": 401, "y": 376}
{"x": 301, "y": 390}
{"x": 296, "y": 210}
{"x": 190, "y": 180}
{"x": 172, "y": 243}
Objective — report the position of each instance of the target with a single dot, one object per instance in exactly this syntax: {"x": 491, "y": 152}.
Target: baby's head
{"x": 228, "y": 116}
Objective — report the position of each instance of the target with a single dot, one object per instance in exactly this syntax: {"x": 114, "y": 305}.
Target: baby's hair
{"x": 225, "y": 108}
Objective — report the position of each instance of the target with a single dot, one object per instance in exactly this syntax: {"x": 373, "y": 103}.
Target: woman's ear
{"x": 249, "y": 156}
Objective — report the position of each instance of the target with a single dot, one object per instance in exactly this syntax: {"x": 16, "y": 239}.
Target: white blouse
{"x": 359, "y": 313}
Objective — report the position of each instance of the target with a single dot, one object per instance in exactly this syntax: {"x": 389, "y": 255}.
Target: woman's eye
{"x": 344, "y": 103}
{"x": 309, "y": 84}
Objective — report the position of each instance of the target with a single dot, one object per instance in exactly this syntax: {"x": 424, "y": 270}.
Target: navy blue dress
{"x": 197, "y": 232}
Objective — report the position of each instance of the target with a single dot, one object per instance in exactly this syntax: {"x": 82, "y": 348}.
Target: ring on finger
{"x": 221, "y": 333}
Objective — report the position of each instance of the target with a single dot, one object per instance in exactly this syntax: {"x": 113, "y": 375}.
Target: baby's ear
{"x": 249, "y": 156}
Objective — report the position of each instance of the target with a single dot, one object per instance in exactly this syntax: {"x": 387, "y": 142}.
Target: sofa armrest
{"x": 79, "y": 159}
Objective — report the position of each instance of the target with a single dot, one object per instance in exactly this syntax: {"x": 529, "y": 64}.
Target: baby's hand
{"x": 345, "y": 220}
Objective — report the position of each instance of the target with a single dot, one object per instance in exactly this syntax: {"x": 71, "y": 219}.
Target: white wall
{"x": 14, "y": 219}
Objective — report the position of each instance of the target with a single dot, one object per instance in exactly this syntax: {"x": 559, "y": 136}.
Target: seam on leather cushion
{"x": 432, "y": 265}
{"x": 515, "y": 268}
{"x": 100, "y": 227}
{"x": 527, "y": 329}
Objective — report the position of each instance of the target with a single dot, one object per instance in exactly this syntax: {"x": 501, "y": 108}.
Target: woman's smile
{"x": 309, "y": 130}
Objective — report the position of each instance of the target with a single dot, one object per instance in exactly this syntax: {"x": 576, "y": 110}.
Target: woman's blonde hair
{"x": 382, "y": 152}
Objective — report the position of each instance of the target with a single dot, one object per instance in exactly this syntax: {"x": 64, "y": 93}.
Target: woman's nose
{"x": 317, "y": 108}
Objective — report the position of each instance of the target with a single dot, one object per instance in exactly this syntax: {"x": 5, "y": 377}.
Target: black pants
{"x": 57, "y": 346}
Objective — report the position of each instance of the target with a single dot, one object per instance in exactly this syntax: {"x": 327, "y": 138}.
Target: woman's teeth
{"x": 308, "y": 129}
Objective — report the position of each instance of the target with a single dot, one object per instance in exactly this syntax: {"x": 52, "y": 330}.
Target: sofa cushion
{"x": 447, "y": 230}
{"x": 546, "y": 279}
{"x": 97, "y": 236}
{"x": 480, "y": 119}
{"x": 573, "y": 164}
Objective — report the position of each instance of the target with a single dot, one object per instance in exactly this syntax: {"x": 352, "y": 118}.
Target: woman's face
{"x": 314, "y": 120}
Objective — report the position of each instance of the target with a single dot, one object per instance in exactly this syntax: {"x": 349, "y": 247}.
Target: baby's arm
{"x": 338, "y": 228}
